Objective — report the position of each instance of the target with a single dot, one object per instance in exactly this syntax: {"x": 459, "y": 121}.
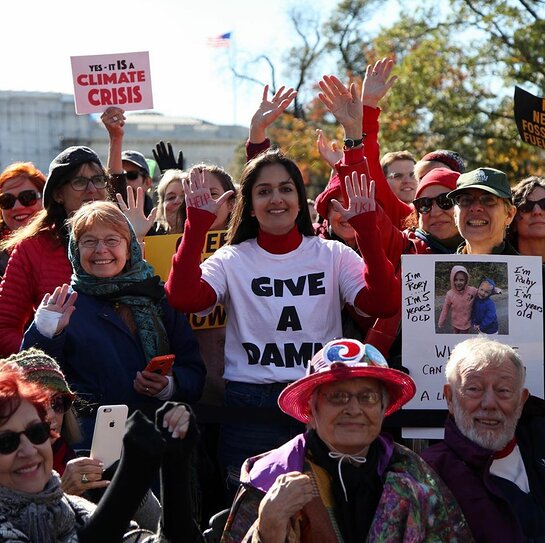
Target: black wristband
{"x": 350, "y": 143}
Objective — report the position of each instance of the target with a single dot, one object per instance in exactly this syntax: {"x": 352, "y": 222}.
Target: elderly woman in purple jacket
{"x": 344, "y": 480}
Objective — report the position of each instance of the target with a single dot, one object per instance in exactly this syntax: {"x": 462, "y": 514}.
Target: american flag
{"x": 224, "y": 40}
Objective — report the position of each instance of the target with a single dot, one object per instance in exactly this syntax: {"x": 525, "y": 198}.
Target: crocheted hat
{"x": 452, "y": 159}
{"x": 343, "y": 359}
{"x": 40, "y": 368}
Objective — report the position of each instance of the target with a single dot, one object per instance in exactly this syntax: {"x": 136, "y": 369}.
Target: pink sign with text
{"x": 122, "y": 80}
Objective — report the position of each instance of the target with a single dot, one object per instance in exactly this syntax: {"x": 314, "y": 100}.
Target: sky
{"x": 189, "y": 78}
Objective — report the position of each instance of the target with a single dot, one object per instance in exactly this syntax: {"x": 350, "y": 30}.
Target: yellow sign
{"x": 159, "y": 253}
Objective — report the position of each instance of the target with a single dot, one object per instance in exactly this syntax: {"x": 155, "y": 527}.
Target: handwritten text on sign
{"x": 427, "y": 346}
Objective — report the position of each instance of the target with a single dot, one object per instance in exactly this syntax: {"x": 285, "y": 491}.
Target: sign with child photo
{"x": 449, "y": 298}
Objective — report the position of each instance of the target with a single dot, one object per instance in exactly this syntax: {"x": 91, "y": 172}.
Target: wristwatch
{"x": 350, "y": 143}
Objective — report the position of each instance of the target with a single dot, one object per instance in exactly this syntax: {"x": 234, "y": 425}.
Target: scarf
{"x": 47, "y": 517}
{"x": 439, "y": 246}
{"x": 361, "y": 482}
{"x": 136, "y": 287}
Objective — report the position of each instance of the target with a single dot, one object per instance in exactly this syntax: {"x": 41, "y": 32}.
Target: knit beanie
{"x": 334, "y": 189}
{"x": 64, "y": 163}
{"x": 452, "y": 159}
{"x": 438, "y": 176}
{"x": 40, "y": 368}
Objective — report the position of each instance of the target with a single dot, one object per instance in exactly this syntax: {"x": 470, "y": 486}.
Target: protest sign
{"x": 159, "y": 253}
{"x": 530, "y": 117}
{"x": 122, "y": 80}
{"x": 436, "y": 316}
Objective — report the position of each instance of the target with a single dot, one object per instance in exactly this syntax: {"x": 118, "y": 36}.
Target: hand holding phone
{"x": 160, "y": 364}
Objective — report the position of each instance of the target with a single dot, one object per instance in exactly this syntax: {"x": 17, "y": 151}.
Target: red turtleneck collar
{"x": 279, "y": 244}
{"x": 507, "y": 450}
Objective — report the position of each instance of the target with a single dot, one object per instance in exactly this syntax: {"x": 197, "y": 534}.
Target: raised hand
{"x": 377, "y": 81}
{"x": 344, "y": 103}
{"x": 114, "y": 120}
{"x": 164, "y": 156}
{"x": 360, "y": 199}
{"x": 197, "y": 192}
{"x": 59, "y": 302}
{"x": 133, "y": 209}
{"x": 268, "y": 111}
{"x": 329, "y": 150}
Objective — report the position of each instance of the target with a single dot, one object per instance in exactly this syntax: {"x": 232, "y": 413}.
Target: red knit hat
{"x": 334, "y": 189}
{"x": 438, "y": 176}
{"x": 452, "y": 159}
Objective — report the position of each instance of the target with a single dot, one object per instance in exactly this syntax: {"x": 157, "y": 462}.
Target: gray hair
{"x": 481, "y": 353}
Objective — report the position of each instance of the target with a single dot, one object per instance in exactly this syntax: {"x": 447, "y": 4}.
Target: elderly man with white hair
{"x": 493, "y": 454}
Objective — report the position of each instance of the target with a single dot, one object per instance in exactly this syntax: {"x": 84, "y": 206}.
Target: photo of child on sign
{"x": 471, "y": 298}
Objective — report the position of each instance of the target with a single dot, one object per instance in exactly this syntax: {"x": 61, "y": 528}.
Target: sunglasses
{"x": 424, "y": 205}
{"x": 62, "y": 402}
{"x": 26, "y": 197}
{"x": 81, "y": 183}
{"x": 133, "y": 176}
{"x": 529, "y": 205}
{"x": 36, "y": 433}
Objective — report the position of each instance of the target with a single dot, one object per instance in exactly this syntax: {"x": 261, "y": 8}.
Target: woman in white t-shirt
{"x": 283, "y": 288}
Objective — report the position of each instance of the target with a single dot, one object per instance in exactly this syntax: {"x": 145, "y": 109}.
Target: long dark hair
{"x": 242, "y": 225}
{"x": 520, "y": 192}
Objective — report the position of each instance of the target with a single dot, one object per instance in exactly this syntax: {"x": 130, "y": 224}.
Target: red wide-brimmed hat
{"x": 340, "y": 360}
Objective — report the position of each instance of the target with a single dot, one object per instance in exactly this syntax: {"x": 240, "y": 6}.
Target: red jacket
{"x": 36, "y": 267}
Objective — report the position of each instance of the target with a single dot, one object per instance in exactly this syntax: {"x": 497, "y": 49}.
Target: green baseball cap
{"x": 487, "y": 179}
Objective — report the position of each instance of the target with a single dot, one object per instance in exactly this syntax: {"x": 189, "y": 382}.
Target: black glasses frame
{"x": 98, "y": 181}
{"x": 424, "y": 205}
{"x": 61, "y": 402}
{"x": 528, "y": 205}
{"x": 27, "y": 198}
{"x": 37, "y": 433}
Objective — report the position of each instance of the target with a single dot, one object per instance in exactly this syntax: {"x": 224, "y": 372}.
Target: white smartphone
{"x": 108, "y": 434}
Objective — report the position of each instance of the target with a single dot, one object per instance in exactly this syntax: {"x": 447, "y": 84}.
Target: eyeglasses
{"x": 62, "y": 402}
{"x": 424, "y": 205}
{"x": 132, "y": 176}
{"x": 529, "y": 205}
{"x": 92, "y": 243}
{"x": 26, "y": 197}
{"x": 81, "y": 183}
{"x": 396, "y": 176}
{"x": 466, "y": 200}
{"x": 37, "y": 434}
{"x": 367, "y": 397}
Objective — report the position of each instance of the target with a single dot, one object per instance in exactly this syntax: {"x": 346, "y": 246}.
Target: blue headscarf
{"x": 137, "y": 287}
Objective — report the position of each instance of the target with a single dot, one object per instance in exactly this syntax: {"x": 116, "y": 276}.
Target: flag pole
{"x": 233, "y": 70}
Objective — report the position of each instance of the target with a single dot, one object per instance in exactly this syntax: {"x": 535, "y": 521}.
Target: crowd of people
{"x": 302, "y": 377}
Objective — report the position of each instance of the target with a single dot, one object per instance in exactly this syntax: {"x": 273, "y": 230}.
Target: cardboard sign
{"x": 122, "y": 80}
{"x": 159, "y": 253}
{"x": 530, "y": 117}
{"x": 434, "y": 321}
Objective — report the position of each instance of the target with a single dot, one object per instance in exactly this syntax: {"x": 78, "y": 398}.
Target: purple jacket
{"x": 464, "y": 467}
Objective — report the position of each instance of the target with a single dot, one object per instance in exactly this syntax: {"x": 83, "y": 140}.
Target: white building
{"x": 36, "y": 126}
